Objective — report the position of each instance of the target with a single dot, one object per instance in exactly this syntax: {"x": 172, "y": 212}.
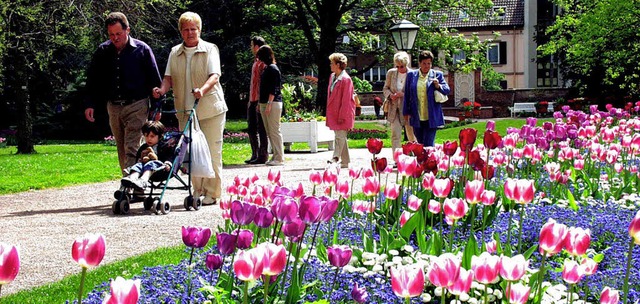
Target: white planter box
{"x": 312, "y": 132}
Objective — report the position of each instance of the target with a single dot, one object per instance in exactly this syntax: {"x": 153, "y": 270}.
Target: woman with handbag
{"x": 394, "y": 99}
{"x": 420, "y": 107}
{"x": 193, "y": 71}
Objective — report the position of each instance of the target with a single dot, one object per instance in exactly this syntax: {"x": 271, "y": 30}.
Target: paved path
{"x": 44, "y": 223}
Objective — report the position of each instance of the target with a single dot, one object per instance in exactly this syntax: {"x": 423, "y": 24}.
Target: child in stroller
{"x": 154, "y": 155}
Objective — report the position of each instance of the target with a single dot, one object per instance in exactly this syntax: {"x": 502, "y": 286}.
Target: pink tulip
{"x": 339, "y": 255}
{"x": 359, "y": 294}
{"x": 577, "y": 241}
{"x": 406, "y": 165}
{"x": 444, "y": 270}
{"x": 413, "y": 203}
{"x": 455, "y": 208}
{"x": 488, "y": 197}
{"x": 552, "y": 236}
{"x": 371, "y": 187}
{"x": 434, "y": 206}
{"x": 354, "y": 173}
{"x": 294, "y": 229}
{"x": 473, "y": 191}
{"x": 486, "y": 268}
{"x": 9, "y": 263}
{"x": 491, "y": 246}
{"x": 274, "y": 176}
{"x": 405, "y": 217}
{"x": 248, "y": 265}
{"x": 123, "y": 292}
{"x": 88, "y": 251}
{"x": 391, "y": 191}
{"x": 309, "y": 209}
{"x": 284, "y": 208}
{"x": 315, "y": 177}
{"x": 634, "y": 228}
{"x": 572, "y": 273}
{"x": 342, "y": 188}
{"x": 275, "y": 258}
{"x": 407, "y": 281}
{"x": 363, "y": 207}
{"x": 330, "y": 176}
{"x": 427, "y": 180}
{"x": 609, "y": 296}
{"x": 513, "y": 268}
{"x": 589, "y": 266}
{"x": 328, "y": 207}
{"x": 442, "y": 187}
{"x": 195, "y": 237}
{"x": 518, "y": 293}
{"x": 521, "y": 191}
{"x": 462, "y": 283}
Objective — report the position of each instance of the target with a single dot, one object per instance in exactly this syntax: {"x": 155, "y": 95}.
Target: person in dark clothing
{"x": 154, "y": 155}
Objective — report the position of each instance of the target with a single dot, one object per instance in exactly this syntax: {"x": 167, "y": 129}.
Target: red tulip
{"x": 609, "y": 296}
{"x": 552, "y": 236}
{"x": 473, "y": 191}
{"x": 462, "y": 283}
{"x": 572, "y": 273}
{"x": 450, "y": 147}
{"x": 488, "y": 171}
{"x": 275, "y": 258}
{"x": 88, "y": 251}
{"x": 486, "y": 268}
{"x": 407, "y": 281}
{"x": 339, "y": 255}
{"x": 413, "y": 148}
{"x": 519, "y": 294}
{"x": 513, "y": 268}
{"x": 374, "y": 145}
{"x": 9, "y": 263}
{"x": 467, "y": 138}
{"x": 492, "y": 139}
{"x": 577, "y": 241}
{"x": 455, "y": 208}
{"x": 248, "y": 265}
{"x": 406, "y": 165}
{"x": 634, "y": 228}
{"x": 123, "y": 292}
{"x": 379, "y": 164}
{"x": 444, "y": 270}
{"x": 195, "y": 237}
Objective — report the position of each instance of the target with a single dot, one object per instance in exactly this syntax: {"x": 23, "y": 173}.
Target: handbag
{"x": 440, "y": 98}
{"x": 200, "y": 155}
{"x": 386, "y": 104}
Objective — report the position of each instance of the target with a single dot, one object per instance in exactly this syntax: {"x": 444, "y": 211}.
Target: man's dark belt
{"x": 124, "y": 102}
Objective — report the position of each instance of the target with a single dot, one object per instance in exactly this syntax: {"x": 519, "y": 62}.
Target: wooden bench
{"x": 527, "y": 107}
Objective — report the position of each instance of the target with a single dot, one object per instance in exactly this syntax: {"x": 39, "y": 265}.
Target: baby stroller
{"x": 180, "y": 142}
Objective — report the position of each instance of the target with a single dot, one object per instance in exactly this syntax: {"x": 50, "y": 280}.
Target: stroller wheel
{"x": 148, "y": 203}
{"x": 124, "y": 206}
{"x": 156, "y": 205}
{"x": 118, "y": 194}
{"x": 197, "y": 204}
{"x": 115, "y": 207}
{"x": 165, "y": 208}
{"x": 188, "y": 201}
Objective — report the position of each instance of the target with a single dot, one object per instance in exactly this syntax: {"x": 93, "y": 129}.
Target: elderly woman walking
{"x": 394, "y": 99}
{"x": 193, "y": 71}
{"x": 341, "y": 107}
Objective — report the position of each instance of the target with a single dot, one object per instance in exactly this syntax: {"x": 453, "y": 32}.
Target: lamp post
{"x": 404, "y": 34}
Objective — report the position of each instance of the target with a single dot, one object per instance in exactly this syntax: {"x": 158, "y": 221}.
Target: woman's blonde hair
{"x": 339, "y": 59}
{"x": 189, "y": 17}
{"x": 402, "y": 57}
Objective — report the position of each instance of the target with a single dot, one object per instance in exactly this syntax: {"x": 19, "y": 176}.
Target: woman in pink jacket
{"x": 341, "y": 108}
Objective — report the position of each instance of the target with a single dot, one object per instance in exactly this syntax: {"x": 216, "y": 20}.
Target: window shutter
{"x": 503, "y": 52}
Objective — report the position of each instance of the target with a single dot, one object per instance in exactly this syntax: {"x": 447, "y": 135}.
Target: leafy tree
{"x": 598, "y": 44}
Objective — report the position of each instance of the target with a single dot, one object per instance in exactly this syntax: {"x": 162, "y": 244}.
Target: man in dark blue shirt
{"x": 122, "y": 74}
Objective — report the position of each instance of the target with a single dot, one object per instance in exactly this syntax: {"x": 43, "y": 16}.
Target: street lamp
{"x": 404, "y": 34}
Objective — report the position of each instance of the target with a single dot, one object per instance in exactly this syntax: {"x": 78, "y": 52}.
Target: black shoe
{"x": 250, "y": 161}
{"x": 258, "y": 162}
{"x": 126, "y": 182}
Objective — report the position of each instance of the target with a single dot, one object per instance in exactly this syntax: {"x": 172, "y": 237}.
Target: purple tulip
{"x": 213, "y": 261}
{"x": 339, "y": 255}
{"x": 195, "y": 237}
{"x": 283, "y": 191}
{"x": 245, "y": 237}
{"x": 242, "y": 213}
{"x": 284, "y": 208}
{"x": 226, "y": 243}
{"x": 263, "y": 218}
{"x": 294, "y": 229}
{"x": 359, "y": 294}
{"x": 491, "y": 125}
{"x": 310, "y": 208}
{"x": 328, "y": 207}
{"x": 532, "y": 121}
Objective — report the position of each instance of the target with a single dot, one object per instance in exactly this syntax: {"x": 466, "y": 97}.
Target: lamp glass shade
{"x": 404, "y": 34}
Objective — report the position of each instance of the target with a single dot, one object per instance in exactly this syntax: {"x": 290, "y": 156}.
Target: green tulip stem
{"x": 486, "y": 293}
{"x": 267, "y": 279}
{"x": 286, "y": 269}
{"x": 484, "y": 223}
{"x": 509, "y": 227}
{"x": 0, "y": 289}
{"x": 538, "y": 297}
{"x": 351, "y": 191}
{"x": 444, "y": 295}
{"x": 453, "y": 225}
{"x": 313, "y": 192}
{"x": 520, "y": 228}
{"x": 407, "y": 300}
{"x": 335, "y": 281}
{"x": 231, "y": 273}
{"x": 82, "y": 277}
{"x": 246, "y": 293}
{"x": 625, "y": 288}
{"x": 570, "y": 298}
{"x": 473, "y": 212}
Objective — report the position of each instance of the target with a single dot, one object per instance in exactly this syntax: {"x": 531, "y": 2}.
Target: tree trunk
{"x": 24, "y": 136}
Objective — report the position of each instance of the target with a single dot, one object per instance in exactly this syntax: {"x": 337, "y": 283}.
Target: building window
{"x": 463, "y": 15}
{"x": 499, "y": 12}
{"x": 459, "y": 57}
{"x": 547, "y": 71}
{"x": 497, "y": 52}
{"x": 375, "y": 74}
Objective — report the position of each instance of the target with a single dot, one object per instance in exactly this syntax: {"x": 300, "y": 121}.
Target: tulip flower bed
{"x": 543, "y": 214}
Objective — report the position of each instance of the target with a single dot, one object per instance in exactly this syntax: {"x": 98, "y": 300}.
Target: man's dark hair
{"x": 425, "y": 55}
{"x": 155, "y": 127}
{"x": 265, "y": 54}
{"x": 117, "y": 17}
{"x": 257, "y": 40}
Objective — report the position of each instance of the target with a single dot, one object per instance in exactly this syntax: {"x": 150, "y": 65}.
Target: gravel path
{"x": 44, "y": 223}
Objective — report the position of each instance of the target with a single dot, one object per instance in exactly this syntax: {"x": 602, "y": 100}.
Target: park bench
{"x": 527, "y": 107}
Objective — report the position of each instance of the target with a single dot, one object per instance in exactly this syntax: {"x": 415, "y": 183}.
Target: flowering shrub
{"x": 471, "y": 105}
{"x": 110, "y": 141}
{"x": 366, "y": 133}
{"x": 235, "y": 137}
